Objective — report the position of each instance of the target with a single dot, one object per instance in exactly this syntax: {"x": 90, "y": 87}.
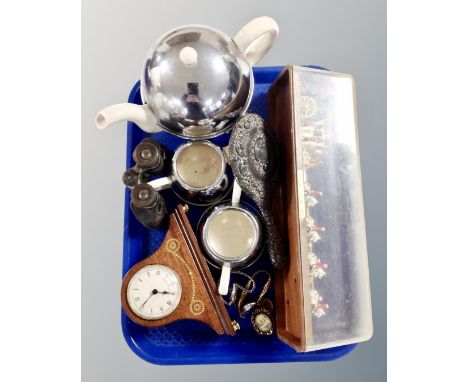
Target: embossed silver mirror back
{"x": 196, "y": 81}
{"x": 253, "y": 160}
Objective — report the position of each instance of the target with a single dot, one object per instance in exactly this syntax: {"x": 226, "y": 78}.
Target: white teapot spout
{"x": 138, "y": 114}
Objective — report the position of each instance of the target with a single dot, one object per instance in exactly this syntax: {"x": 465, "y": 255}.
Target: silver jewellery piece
{"x": 235, "y": 288}
{"x": 267, "y": 285}
{"x": 308, "y": 106}
{"x": 253, "y": 158}
{"x": 266, "y": 303}
{"x": 245, "y": 308}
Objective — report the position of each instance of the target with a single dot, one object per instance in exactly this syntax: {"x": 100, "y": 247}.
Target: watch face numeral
{"x": 137, "y": 299}
{"x": 169, "y": 302}
{"x": 161, "y": 309}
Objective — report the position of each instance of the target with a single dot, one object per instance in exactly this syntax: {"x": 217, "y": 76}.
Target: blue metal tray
{"x": 191, "y": 342}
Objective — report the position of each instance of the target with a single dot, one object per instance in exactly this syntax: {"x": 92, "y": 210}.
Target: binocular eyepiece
{"x": 147, "y": 205}
{"x": 150, "y": 156}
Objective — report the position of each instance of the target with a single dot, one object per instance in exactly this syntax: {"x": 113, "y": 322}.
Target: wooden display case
{"x": 323, "y": 295}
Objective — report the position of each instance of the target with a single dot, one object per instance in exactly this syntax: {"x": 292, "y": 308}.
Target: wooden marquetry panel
{"x": 200, "y": 300}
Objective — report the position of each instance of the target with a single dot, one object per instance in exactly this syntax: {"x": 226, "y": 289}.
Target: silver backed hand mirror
{"x": 253, "y": 159}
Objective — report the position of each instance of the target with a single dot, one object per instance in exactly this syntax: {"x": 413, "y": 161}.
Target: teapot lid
{"x": 196, "y": 81}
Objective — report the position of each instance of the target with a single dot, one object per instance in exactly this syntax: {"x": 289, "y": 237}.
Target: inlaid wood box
{"x": 323, "y": 295}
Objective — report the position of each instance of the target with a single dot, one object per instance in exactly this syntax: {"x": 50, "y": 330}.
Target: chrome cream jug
{"x": 196, "y": 81}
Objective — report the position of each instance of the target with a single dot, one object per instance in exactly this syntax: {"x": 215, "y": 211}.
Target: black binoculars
{"x": 147, "y": 205}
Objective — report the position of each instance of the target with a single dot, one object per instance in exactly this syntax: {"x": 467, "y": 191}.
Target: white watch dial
{"x": 154, "y": 292}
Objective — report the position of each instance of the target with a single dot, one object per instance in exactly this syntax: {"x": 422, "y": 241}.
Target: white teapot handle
{"x": 256, "y": 38}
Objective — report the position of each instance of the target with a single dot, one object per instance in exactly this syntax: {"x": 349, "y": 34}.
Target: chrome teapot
{"x": 196, "y": 81}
